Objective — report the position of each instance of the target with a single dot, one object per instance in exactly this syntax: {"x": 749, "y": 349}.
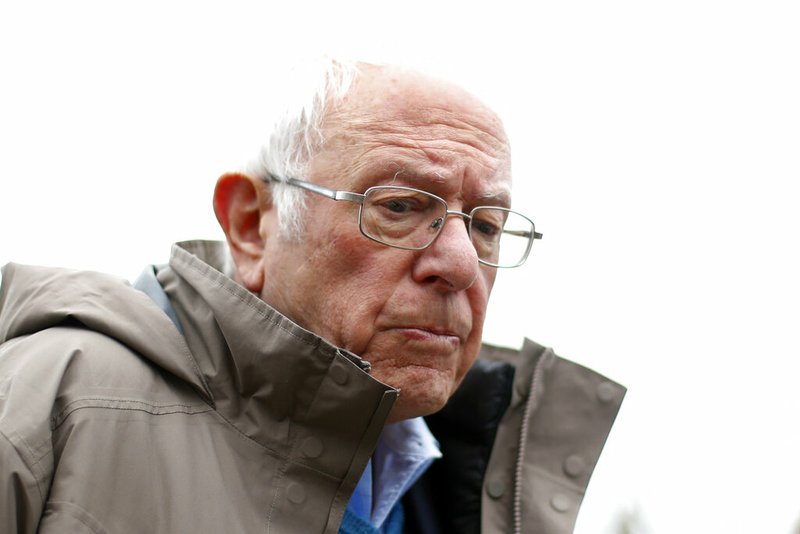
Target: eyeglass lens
{"x": 403, "y": 217}
{"x": 409, "y": 218}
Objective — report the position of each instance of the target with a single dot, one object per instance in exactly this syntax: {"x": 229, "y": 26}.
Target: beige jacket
{"x": 111, "y": 420}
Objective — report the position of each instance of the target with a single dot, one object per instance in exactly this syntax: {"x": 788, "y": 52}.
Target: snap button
{"x": 606, "y": 392}
{"x": 574, "y": 466}
{"x": 560, "y": 502}
{"x": 339, "y": 374}
{"x": 495, "y": 488}
{"x": 295, "y": 493}
{"x": 312, "y": 447}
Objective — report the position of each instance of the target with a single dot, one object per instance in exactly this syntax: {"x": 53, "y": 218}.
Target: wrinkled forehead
{"x": 420, "y": 126}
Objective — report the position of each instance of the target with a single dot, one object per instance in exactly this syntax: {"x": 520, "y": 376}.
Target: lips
{"x": 443, "y": 325}
{"x": 447, "y": 325}
{"x": 427, "y": 335}
{"x": 431, "y": 330}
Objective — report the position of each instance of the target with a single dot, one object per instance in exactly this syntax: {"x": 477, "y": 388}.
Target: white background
{"x": 656, "y": 145}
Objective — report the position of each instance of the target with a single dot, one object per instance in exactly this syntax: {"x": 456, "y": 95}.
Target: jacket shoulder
{"x": 46, "y": 376}
{"x": 58, "y": 379}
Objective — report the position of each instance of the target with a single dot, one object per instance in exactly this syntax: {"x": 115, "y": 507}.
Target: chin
{"x": 418, "y": 399}
{"x": 423, "y": 389}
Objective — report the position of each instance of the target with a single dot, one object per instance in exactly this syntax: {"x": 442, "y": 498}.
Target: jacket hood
{"x": 36, "y": 298}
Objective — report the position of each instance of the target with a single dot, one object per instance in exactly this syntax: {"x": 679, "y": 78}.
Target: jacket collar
{"x": 261, "y": 368}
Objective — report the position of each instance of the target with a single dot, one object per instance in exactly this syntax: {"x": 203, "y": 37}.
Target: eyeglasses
{"x": 411, "y": 219}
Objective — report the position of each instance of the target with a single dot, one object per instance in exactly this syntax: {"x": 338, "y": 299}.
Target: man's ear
{"x": 239, "y": 203}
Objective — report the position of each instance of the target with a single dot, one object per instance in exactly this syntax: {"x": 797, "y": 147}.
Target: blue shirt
{"x": 405, "y": 450}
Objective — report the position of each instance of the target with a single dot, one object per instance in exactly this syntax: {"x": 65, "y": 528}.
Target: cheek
{"x": 479, "y": 297}
{"x": 358, "y": 280}
{"x": 478, "y": 300}
{"x": 489, "y": 274}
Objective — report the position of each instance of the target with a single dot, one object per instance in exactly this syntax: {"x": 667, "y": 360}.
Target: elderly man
{"x": 326, "y": 379}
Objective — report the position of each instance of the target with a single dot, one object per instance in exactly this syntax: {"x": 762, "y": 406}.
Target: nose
{"x": 451, "y": 261}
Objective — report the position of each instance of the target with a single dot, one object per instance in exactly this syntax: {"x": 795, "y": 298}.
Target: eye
{"x": 400, "y": 205}
{"x": 486, "y": 228}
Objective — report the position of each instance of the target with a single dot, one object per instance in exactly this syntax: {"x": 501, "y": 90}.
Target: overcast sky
{"x": 656, "y": 145}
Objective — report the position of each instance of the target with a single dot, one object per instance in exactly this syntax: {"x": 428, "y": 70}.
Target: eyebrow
{"x": 419, "y": 177}
{"x": 500, "y": 197}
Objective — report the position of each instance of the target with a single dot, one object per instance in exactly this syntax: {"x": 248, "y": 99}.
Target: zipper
{"x": 534, "y": 394}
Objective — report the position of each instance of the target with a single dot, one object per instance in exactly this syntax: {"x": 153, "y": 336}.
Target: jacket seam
{"x": 171, "y": 409}
{"x": 28, "y": 467}
{"x": 190, "y": 358}
{"x": 33, "y": 452}
{"x": 274, "y": 502}
{"x": 80, "y": 517}
{"x": 24, "y": 463}
{"x": 125, "y": 405}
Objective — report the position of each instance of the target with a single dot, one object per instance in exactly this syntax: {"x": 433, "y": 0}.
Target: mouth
{"x": 430, "y": 335}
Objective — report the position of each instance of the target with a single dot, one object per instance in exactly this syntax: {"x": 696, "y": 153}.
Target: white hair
{"x": 295, "y": 136}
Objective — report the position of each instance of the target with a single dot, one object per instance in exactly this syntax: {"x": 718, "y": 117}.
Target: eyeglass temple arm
{"x": 321, "y": 190}
{"x": 519, "y": 233}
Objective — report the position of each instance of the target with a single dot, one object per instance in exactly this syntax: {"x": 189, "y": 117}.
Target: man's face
{"x": 416, "y": 316}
